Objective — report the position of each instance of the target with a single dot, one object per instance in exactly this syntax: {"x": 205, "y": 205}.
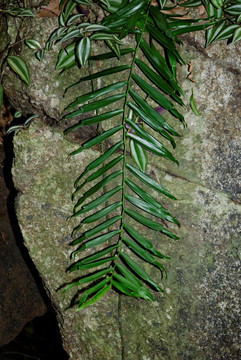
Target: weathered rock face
{"x": 199, "y": 315}
{"x": 20, "y": 299}
{"x": 45, "y": 95}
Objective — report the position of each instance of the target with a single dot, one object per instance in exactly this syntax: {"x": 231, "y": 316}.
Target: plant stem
{"x": 119, "y": 249}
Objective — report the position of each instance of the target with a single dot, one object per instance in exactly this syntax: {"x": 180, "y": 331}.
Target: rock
{"x": 199, "y": 316}
{"x": 20, "y": 300}
{"x": 54, "y": 214}
{"x": 46, "y": 94}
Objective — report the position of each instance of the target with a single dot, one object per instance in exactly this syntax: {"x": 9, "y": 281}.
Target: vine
{"x": 118, "y": 247}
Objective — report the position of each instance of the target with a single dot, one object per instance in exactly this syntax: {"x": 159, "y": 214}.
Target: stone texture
{"x": 40, "y": 96}
{"x": 20, "y": 299}
{"x": 199, "y": 315}
{"x": 35, "y": 210}
{"x": 45, "y": 93}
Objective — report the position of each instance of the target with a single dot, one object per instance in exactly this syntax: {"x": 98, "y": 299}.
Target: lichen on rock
{"x": 189, "y": 320}
{"x": 198, "y": 316}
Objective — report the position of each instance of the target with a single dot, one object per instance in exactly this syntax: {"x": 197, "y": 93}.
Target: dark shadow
{"x": 38, "y": 340}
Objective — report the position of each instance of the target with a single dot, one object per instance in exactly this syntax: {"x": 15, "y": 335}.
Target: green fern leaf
{"x": 107, "y": 191}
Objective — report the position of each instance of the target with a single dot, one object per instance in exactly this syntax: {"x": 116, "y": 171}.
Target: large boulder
{"x": 198, "y": 316}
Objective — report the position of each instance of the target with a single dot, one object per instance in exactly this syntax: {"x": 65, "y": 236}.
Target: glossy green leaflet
{"x": 112, "y": 194}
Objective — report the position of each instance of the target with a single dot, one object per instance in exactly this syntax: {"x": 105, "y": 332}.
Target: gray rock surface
{"x": 45, "y": 93}
{"x": 20, "y": 300}
{"x": 199, "y": 315}
{"x": 43, "y": 96}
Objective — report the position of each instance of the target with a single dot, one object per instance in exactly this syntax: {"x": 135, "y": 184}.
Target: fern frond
{"x": 111, "y": 238}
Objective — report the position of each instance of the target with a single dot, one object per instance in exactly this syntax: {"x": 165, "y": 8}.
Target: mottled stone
{"x": 198, "y": 317}
{"x": 41, "y": 152}
{"x": 216, "y": 134}
{"x": 45, "y": 95}
{"x": 20, "y": 300}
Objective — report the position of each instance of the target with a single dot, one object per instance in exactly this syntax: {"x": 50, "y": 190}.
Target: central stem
{"x": 125, "y": 137}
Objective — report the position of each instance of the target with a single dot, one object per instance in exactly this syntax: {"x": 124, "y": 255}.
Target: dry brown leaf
{"x": 190, "y": 69}
{"x": 176, "y": 11}
{"x": 202, "y": 11}
{"x": 51, "y": 10}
